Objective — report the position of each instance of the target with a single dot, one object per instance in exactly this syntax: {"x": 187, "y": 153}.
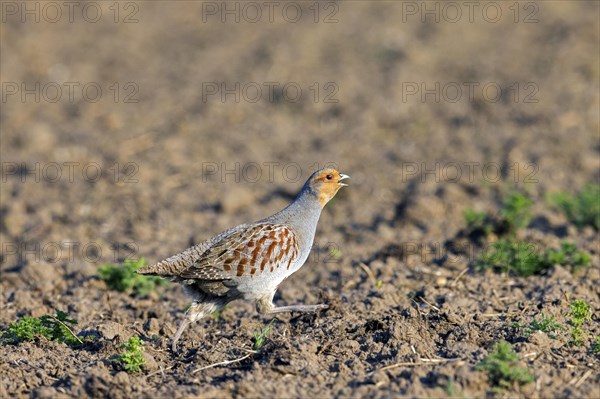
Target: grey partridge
{"x": 250, "y": 261}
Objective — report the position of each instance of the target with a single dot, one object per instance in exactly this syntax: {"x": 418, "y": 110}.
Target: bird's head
{"x": 325, "y": 184}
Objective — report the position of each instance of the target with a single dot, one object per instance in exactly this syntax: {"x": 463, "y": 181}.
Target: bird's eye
{"x": 329, "y": 177}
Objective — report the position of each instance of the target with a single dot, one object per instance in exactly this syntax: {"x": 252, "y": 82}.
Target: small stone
{"x": 45, "y": 393}
{"x": 380, "y": 378}
{"x": 122, "y": 378}
{"x": 143, "y": 303}
{"x": 42, "y": 273}
{"x": 541, "y": 339}
{"x": 153, "y": 326}
{"x": 39, "y": 311}
{"x": 559, "y": 272}
{"x": 351, "y": 344}
{"x": 149, "y": 362}
{"x": 23, "y": 299}
{"x": 110, "y": 330}
{"x": 441, "y": 281}
{"x": 153, "y": 296}
{"x": 386, "y": 232}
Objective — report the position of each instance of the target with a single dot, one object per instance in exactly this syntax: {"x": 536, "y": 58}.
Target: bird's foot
{"x": 299, "y": 308}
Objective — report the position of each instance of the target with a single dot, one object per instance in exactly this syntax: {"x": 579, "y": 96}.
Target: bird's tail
{"x": 158, "y": 269}
{"x": 173, "y": 265}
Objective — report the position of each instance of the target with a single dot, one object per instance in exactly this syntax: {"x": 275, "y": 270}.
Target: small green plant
{"x": 217, "y": 314}
{"x": 580, "y": 314}
{"x": 577, "y": 336}
{"x": 132, "y": 359}
{"x": 596, "y": 345}
{"x": 510, "y": 256}
{"x": 568, "y": 254}
{"x": 515, "y": 212}
{"x": 53, "y": 327}
{"x": 513, "y": 215}
{"x": 522, "y": 258}
{"x": 474, "y": 219}
{"x": 546, "y": 324}
{"x": 582, "y": 209}
{"x": 123, "y": 278}
{"x": 452, "y": 389}
{"x": 335, "y": 253}
{"x": 478, "y": 221}
{"x": 261, "y": 336}
{"x": 502, "y": 368}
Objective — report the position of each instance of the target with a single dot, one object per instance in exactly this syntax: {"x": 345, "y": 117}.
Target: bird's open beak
{"x": 342, "y": 177}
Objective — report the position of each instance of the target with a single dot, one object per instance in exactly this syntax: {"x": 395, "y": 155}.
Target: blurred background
{"x": 148, "y": 106}
{"x": 139, "y": 128}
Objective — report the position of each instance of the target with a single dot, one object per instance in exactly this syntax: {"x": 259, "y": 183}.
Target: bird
{"x": 250, "y": 261}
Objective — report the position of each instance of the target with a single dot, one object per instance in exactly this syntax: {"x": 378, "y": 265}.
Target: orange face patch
{"x": 327, "y": 184}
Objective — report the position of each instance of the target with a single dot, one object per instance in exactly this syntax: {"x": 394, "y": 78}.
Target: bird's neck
{"x": 302, "y": 214}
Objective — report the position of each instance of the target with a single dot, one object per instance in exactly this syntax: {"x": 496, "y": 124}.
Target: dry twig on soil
{"x": 226, "y": 362}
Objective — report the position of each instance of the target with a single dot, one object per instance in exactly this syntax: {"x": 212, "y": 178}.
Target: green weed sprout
{"x": 261, "y": 336}
{"x": 478, "y": 221}
{"x": 546, "y": 324}
{"x": 501, "y": 367}
{"x": 513, "y": 215}
{"x": 508, "y": 256}
{"x": 123, "y": 278}
{"x": 582, "y": 209}
{"x": 568, "y": 254}
{"x": 515, "y": 212}
{"x": 132, "y": 359}
{"x": 53, "y": 327}
{"x": 596, "y": 345}
{"x": 218, "y": 313}
{"x": 580, "y": 314}
{"x": 522, "y": 258}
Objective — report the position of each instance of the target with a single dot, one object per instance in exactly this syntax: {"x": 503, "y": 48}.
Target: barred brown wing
{"x": 248, "y": 252}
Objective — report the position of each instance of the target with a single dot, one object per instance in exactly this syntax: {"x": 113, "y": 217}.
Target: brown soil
{"x": 408, "y": 317}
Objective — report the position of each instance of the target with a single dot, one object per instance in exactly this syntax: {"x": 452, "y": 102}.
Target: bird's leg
{"x": 195, "y": 312}
{"x": 265, "y": 305}
{"x": 182, "y": 326}
{"x": 299, "y": 308}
